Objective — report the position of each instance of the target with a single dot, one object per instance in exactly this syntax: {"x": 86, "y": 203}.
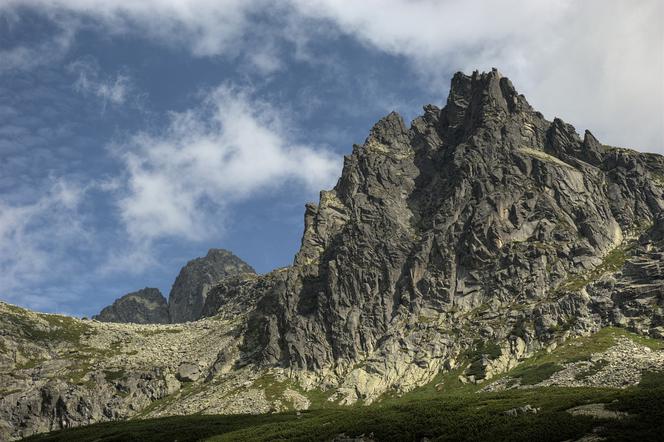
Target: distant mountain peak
{"x": 145, "y": 306}
{"x": 187, "y": 297}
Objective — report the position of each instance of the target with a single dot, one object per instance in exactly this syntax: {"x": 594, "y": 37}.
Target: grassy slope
{"x": 442, "y": 410}
{"x": 454, "y": 417}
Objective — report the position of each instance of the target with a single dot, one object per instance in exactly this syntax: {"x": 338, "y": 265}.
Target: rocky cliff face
{"x": 192, "y": 285}
{"x": 464, "y": 243}
{"x": 146, "y": 306}
{"x": 481, "y": 221}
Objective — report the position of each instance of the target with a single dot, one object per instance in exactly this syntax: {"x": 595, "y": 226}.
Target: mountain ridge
{"x": 187, "y": 297}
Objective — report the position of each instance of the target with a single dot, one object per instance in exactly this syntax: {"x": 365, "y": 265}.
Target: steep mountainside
{"x": 481, "y": 222}
{"x": 469, "y": 245}
{"x": 192, "y": 285}
{"x": 146, "y": 306}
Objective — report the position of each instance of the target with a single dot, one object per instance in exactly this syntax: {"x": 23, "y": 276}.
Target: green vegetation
{"x": 596, "y": 367}
{"x": 53, "y": 328}
{"x": 66, "y": 329}
{"x": 657, "y": 178}
{"x": 29, "y": 364}
{"x": 42, "y": 336}
{"x": 274, "y": 390}
{"x": 6, "y": 392}
{"x": 481, "y": 348}
{"x": 476, "y": 354}
{"x": 543, "y": 364}
{"x": 445, "y": 383}
{"x": 456, "y": 417}
{"x": 116, "y": 375}
{"x": 187, "y": 389}
{"x": 534, "y": 374}
{"x": 612, "y": 262}
{"x": 652, "y": 380}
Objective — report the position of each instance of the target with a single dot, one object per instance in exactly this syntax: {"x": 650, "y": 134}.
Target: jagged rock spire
{"x": 483, "y": 201}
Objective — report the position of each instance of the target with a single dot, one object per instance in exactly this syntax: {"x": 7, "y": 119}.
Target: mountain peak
{"x": 483, "y": 92}
{"x": 190, "y": 289}
{"x": 145, "y": 306}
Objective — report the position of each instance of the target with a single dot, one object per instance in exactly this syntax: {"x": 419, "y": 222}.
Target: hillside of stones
{"x": 186, "y": 298}
{"x": 57, "y": 371}
{"x": 464, "y": 246}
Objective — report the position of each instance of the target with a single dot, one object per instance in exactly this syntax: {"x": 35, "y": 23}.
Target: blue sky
{"x": 136, "y": 135}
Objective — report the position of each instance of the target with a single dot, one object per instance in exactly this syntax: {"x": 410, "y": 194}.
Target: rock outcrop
{"x": 146, "y": 306}
{"x": 60, "y": 372}
{"x": 191, "y": 287}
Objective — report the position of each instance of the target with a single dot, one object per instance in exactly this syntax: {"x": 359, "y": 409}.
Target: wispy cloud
{"x": 36, "y": 238}
{"x": 229, "y": 148}
{"x": 596, "y": 63}
{"x": 23, "y": 57}
{"x": 585, "y": 61}
{"x": 114, "y": 89}
{"x": 206, "y": 27}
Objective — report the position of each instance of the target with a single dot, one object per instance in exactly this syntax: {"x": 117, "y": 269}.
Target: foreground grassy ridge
{"x": 455, "y": 417}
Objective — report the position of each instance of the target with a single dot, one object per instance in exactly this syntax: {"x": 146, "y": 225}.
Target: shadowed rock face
{"x": 195, "y": 280}
{"x": 481, "y": 205}
{"x": 146, "y": 306}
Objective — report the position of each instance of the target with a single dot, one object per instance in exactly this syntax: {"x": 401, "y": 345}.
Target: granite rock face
{"x": 146, "y": 306}
{"x": 191, "y": 287}
{"x": 482, "y": 218}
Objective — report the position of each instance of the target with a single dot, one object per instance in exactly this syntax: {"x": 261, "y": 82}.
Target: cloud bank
{"x": 596, "y": 63}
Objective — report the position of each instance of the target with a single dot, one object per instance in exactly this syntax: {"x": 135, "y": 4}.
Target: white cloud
{"x": 228, "y": 149}
{"x": 114, "y": 90}
{"x": 207, "y": 27}
{"x": 29, "y": 56}
{"x": 266, "y": 61}
{"x": 35, "y": 239}
{"x": 596, "y": 63}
